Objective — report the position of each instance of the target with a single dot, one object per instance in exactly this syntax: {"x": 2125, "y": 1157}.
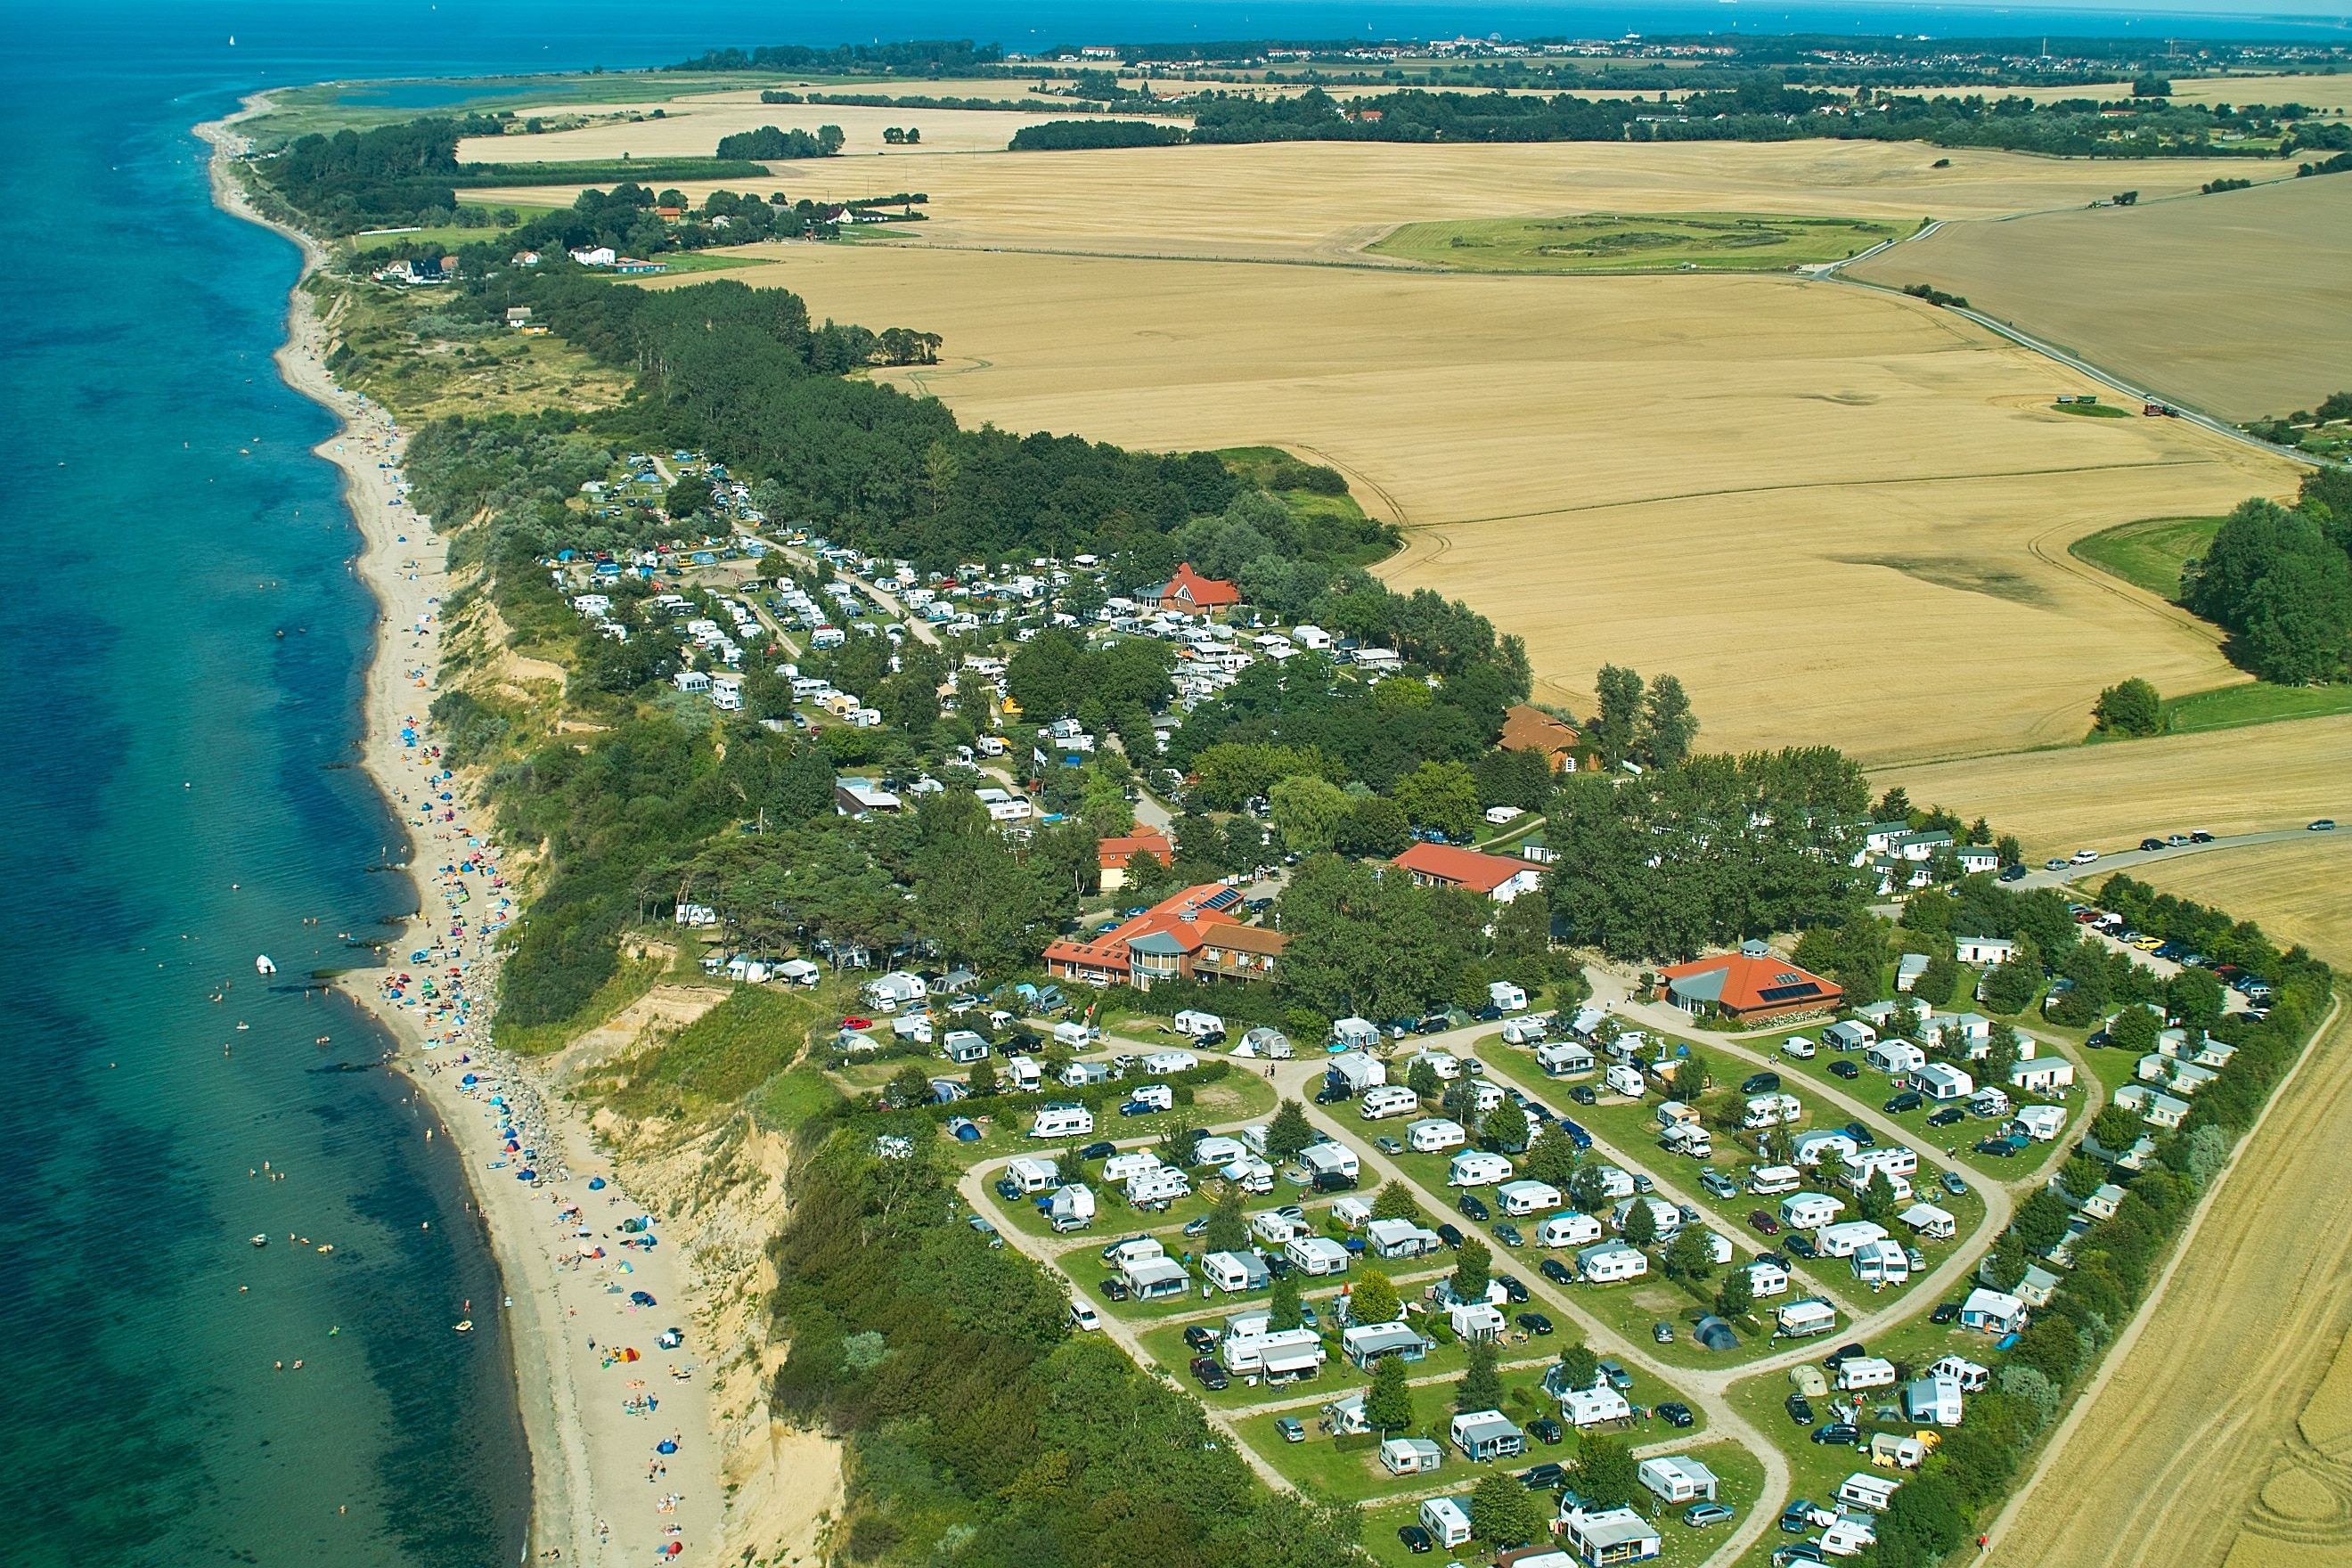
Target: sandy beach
{"x": 602, "y": 1396}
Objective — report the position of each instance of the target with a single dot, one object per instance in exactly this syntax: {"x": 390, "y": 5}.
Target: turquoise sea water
{"x": 180, "y": 647}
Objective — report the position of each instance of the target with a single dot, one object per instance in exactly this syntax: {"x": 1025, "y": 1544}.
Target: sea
{"x": 181, "y": 641}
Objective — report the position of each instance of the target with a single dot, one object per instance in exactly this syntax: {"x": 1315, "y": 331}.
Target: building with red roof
{"x": 1194, "y": 935}
{"x": 1117, "y": 854}
{"x": 1753, "y": 983}
{"x": 1501, "y": 877}
{"x": 1191, "y": 593}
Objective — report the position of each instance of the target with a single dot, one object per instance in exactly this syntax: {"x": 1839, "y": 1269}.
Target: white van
{"x": 1771, "y": 1181}
{"x": 1864, "y": 1371}
{"x": 1062, "y": 1121}
{"x": 1807, "y": 1211}
{"x": 1800, "y": 1048}
{"x": 1624, "y": 1080}
{"x": 1520, "y": 1199}
{"x": 1567, "y": 1230}
{"x": 1435, "y": 1135}
{"x": 1389, "y": 1100}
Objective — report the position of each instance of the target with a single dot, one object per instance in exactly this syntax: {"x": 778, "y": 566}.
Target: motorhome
{"x": 1389, "y": 1100}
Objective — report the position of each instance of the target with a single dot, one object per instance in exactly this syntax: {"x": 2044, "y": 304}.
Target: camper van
{"x": 1800, "y": 1048}
{"x": 1147, "y": 1098}
{"x": 1062, "y": 1121}
{"x": 1689, "y": 1137}
{"x": 1522, "y": 1198}
{"x": 1389, "y": 1100}
{"x": 1798, "y": 1320}
{"x": 1771, "y": 1181}
{"x": 1771, "y": 1110}
{"x": 1161, "y": 1185}
{"x": 1808, "y": 1211}
{"x": 1624, "y": 1080}
{"x": 1435, "y": 1135}
{"x": 1567, "y": 1230}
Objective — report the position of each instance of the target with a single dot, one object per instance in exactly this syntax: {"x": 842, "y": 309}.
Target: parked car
{"x": 1853, "y": 1350}
{"x": 1797, "y": 1518}
{"x": 1998, "y": 1147}
{"x": 1699, "y": 1515}
{"x": 1008, "y": 1189}
{"x": 1584, "y": 1094}
{"x": 1210, "y": 1374}
{"x": 2149, "y": 844}
{"x": 1796, "y": 1551}
{"x": 1642, "y": 1184}
{"x": 1332, "y": 1094}
{"x": 2085, "y": 857}
{"x": 2016, "y": 873}
{"x": 1292, "y": 1432}
{"x": 1535, "y": 1322}
{"x": 1452, "y": 1238}
{"x": 1945, "y": 1312}
{"x": 2175, "y": 840}
{"x": 1760, "y": 1083}
{"x": 1515, "y": 1289}
{"x": 1955, "y": 1184}
{"x": 1388, "y": 1145}
{"x": 1553, "y": 1269}
{"x": 1801, "y": 1410}
{"x": 1471, "y": 1207}
{"x": 1546, "y": 1430}
{"x": 1674, "y": 1412}
{"x": 1862, "y": 1137}
{"x": 1200, "y": 1340}
{"x": 1839, "y": 1434}
{"x": 1718, "y": 1184}
{"x": 1618, "y": 1378}
{"x": 1543, "y": 1477}
{"x": 2200, "y": 837}
{"x": 1947, "y": 1117}
{"x": 1199, "y": 1226}
{"x": 1763, "y": 1222}
{"x": 1114, "y": 1290}
{"x": 2054, "y": 863}
{"x": 1102, "y": 1150}
{"x": 1083, "y": 1318}
{"x": 1801, "y": 1245}
{"x": 1907, "y": 1099}
{"x": 1662, "y": 1333}
{"x": 1417, "y": 1541}
{"x": 1506, "y": 1233}
{"x": 1843, "y": 1068}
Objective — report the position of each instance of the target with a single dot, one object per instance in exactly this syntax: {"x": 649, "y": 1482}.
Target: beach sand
{"x": 601, "y": 1492}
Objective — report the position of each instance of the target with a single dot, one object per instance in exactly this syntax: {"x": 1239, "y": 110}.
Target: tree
{"x": 1737, "y": 1297}
{"x": 1579, "y": 1367}
{"x": 984, "y": 1078}
{"x": 1308, "y": 811}
{"x": 1687, "y": 1257}
{"x": 1395, "y": 1201}
{"x": 1588, "y": 1189}
{"x": 2134, "y": 1028}
{"x": 1503, "y": 1512}
{"x": 2130, "y": 707}
{"x": 2000, "y": 1054}
{"x": 1506, "y": 1130}
{"x": 1668, "y": 725}
{"x": 1440, "y": 796}
{"x": 1923, "y": 1525}
{"x": 1289, "y": 1131}
{"x": 1604, "y": 1472}
{"x": 1473, "y": 1267}
{"x": 1388, "y": 1404}
{"x": 1937, "y": 981}
{"x": 1481, "y": 1387}
{"x": 1228, "y": 1228}
{"x": 1613, "y": 729}
{"x": 2082, "y": 1175}
{"x": 1641, "y": 1223}
{"x": 1875, "y": 1201}
{"x": 1282, "y": 1306}
{"x": 2115, "y": 1128}
{"x": 2040, "y": 1222}
{"x": 2194, "y": 997}
{"x": 2010, "y": 986}
{"x": 1423, "y": 1080}
{"x": 1374, "y": 1299}
{"x": 909, "y": 1086}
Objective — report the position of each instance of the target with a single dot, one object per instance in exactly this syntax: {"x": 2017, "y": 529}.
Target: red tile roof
{"x": 1188, "y": 587}
{"x": 1183, "y": 920}
{"x": 1459, "y": 867}
{"x": 1116, "y": 852}
{"x": 1754, "y": 985}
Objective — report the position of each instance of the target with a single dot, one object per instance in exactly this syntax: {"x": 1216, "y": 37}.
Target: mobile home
{"x": 1798, "y": 1320}
{"x": 1521, "y": 1198}
{"x": 1234, "y": 1272}
{"x": 1567, "y": 1230}
{"x": 1808, "y": 1210}
{"x": 1062, "y": 1121}
{"x": 1411, "y": 1457}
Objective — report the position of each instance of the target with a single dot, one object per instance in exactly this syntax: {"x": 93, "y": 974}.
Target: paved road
{"x": 2126, "y": 859}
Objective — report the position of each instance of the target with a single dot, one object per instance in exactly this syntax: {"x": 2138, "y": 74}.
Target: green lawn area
{"x": 2092, "y": 410}
{"x": 2252, "y": 702}
{"x": 2148, "y": 553}
{"x": 1636, "y": 242}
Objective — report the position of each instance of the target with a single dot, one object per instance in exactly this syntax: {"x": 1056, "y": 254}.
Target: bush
{"x": 2130, "y": 708}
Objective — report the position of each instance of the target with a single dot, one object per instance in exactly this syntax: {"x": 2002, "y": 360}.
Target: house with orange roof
{"x": 1527, "y": 728}
{"x": 1189, "y": 592}
{"x": 1751, "y": 984}
{"x": 1501, "y": 877}
{"x": 1193, "y": 935}
{"x": 1117, "y": 854}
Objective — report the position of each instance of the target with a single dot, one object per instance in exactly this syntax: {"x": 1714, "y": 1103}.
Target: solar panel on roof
{"x": 1784, "y": 993}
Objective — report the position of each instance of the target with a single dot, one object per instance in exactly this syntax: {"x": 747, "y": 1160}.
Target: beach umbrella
{"x": 667, "y": 1445}
{"x": 595, "y": 1184}
{"x": 526, "y": 1175}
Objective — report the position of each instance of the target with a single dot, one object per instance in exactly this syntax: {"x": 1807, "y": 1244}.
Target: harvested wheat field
{"x": 2237, "y": 303}
{"x": 1326, "y": 200}
{"x": 2223, "y": 781}
{"x": 1837, "y": 515}
{"x": 2300, "y": 890}
{"x": 2223, "y": 1432}
{"x": 691, "y": 127}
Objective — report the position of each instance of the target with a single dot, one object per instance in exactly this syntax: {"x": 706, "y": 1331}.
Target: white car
{"x": 1083, "y": 1318}
{"x": 2085, "y": 857}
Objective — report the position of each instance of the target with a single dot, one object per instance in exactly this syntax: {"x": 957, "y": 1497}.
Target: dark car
{"x": 1543, "y": 1477}
{"x": 1471, "y": 1207}
{"x": 1908, "y": 1099}
{"x": 1544, "y": 1430}
{"x": 2016, "y": 873}
{"x": 1948, "y": 1116}
{"x": 1797, "y": 1517}
{"x": 1277, "y": 1267}
{"x": 1333, "y": 1093}
{"x": 1862, "y": 1137}
{"x": 1838, "y": 1434}
{"x": 1998, "y": 1147}
{"x": 1760, "y": 1083}
{"x": 1801, "y": 1245}
{"x": 1584, "y": 1094}
{"x": 1945, "y": 1312}
{"x": 1618, "y": 1378}
{"x": 1103, "y": 1151}
{"x": 1199, "y": 1339}
{"x": 1854, "y": 1350}
{"x": 1416, "y": 1540}
{"x": 2151, "y": 844}
{"x": 1535, "y": 1322}
{"x": 1762, "y": 1223}
{"x": 1796, "y": 1551}
{"x": 1674, "y": 1412}
{"x": 2200, "y": 837}
{"x": 1210, "y": 1374}
{"x": 1843, "y": 1068}
{"x": 1452, "y": 1238}
{"x": 1114, "y": 1290}
{"x": 1514, "y": 1290}
{"x": 1553, "y": 1269}
{"x": 1801, "y": 1410}
{"x": 1334, "y": 1182}
{"x": 1008, "y": 1189}
{"x": 1506, "y": 1233}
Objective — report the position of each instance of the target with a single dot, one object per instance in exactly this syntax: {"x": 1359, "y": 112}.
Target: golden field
{"x": 691, "y": 127}
{"x": 2238, "y": 303}
{"x": 2294, "y": 886}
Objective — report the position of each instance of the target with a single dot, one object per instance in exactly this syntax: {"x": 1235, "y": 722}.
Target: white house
{"x": 2156, "y": 1108}
{"x": 1986, "y": 951}
{"x": 2104, "y": 1201}
{"x": 1677, "y": 1479}
{"x": 1942, "y": 1081}
{"x": 1994, "y": 1312}
{"x": 2044, "y": 1076}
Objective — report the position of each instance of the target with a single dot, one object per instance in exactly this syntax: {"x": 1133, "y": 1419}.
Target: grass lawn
{"x": 2092, "y": 410}
{"x": 1636, "y": 242}
{"x": 2252, "y": 702}
{"x": 2150, "y": 552}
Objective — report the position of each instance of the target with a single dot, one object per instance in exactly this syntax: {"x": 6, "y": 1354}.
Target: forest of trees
{"x": 2280, "y": 581}
{"x": 1072, "y": 135}
{"x": 922, "y": 56}
{"x": 767, "y": 145}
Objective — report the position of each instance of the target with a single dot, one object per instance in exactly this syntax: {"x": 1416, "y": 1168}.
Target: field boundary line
{"x": 2129, "y": 1338}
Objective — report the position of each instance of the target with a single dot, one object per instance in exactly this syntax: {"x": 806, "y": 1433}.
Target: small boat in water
{"x": 464, "y": 1325}
{"x": 263, "y": 964}
{"x": 261, "y": 1241}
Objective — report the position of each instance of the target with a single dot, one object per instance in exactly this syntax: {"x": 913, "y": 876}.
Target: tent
{"x": 1715, "y": 1335}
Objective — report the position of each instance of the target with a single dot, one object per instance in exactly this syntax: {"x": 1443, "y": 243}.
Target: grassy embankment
{"x": 2149, "y": 555}
{"x": 1636, "y": 242}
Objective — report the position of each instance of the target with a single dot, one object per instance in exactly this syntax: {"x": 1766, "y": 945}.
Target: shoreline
{"x": 556, "y": 1242}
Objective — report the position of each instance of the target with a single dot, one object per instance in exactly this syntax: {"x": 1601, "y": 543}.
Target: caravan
{"x": 1389, "y": 1100}
{"x": 1062, "y": 1121}
{"x": 1798, "y": 1320}
{"x": 1566, "y": 1058}
{"x": 1435, "y": 1135}
{"x": 1522, "y": 1198}
{"x": 1567, "y": 1230}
